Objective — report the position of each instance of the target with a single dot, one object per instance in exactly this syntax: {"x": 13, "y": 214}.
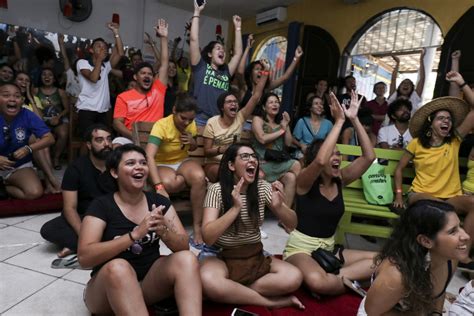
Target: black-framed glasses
{"x": 246, "y": 156}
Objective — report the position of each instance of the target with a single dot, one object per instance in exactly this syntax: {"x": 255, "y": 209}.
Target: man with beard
{"x": 145, "y": 102}
{"x": 396, "y": 135}
{"x": 84, "y": 180}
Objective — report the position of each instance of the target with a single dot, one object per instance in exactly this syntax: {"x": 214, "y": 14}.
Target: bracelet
{"x": 29, "y": 149}
{"x": 117, "y": 35}
{"x": 462, "y": 85}
{"x": 238, "y": 28}
{"x": 131, "y": 237}
{"x": 399, "y": 191}
{"x": 264, "y": 72}
{"x": 295, "y": 59}
{"x": 195, "y": 16}
{"x": 158, "y": 186}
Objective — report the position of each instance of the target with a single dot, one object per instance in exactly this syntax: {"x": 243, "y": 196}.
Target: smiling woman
{"x": 17, "y": 125}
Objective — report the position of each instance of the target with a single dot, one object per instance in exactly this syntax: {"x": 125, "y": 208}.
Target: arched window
{"x": 274, "y": 50}
{"x": 402, "y": 33}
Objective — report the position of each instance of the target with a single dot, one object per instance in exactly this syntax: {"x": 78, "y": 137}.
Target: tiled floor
{"x": 28, "y": 286}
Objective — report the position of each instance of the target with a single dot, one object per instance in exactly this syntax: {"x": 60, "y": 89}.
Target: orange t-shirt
{"x": 136, "y": 107}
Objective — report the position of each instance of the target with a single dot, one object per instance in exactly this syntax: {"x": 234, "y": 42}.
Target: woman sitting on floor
{"x": 417, "y": 262}
{"x": 234, "y": 209}
{"x": 120, "y": 237}
{"x": 167, "y": 152}
{"x": 223, "y": 130}
{"x": 438, "y": 128}
{"x": 320, "y": 206}
{"x": 16, "y": 126}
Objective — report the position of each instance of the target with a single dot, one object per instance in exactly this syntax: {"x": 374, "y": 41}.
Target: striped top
{"x": 248, "y": 233}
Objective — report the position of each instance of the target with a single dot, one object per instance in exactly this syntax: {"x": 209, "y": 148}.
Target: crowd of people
{"x": 112, "y": 225}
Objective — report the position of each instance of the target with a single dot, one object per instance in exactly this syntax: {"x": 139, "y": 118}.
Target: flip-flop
{"x": 66, "y": 263}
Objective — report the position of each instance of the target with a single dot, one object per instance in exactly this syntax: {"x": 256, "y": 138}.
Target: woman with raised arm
{"x": 416, "y": 264}
{"x": 211, "y": 74}
{"x": 272, "y": 131}
{"x": 406, "y": 89}
{"x": 120, "y": 237}
{"x": 223, "y": 130}
{"x": 320, "y": 206}
{"x": 438, "y": 129}
{"x": 234, "y": 209}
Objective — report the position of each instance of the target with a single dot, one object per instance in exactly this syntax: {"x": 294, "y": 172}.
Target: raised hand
{"x": 456, "y": 54}
{"x": 265, "y": 63}
{"x": 237, "y": 21}
{"x": 161, "y": 28}
{"x": 422, "y": 53}
{"x": 454, "y": 76}
{"x": 236, "y": 199}
{"x": 199, "y": 8}
{"x": 396, "y": 59}
{"x": 298, "y": 52}
{"x": 114, "y": 27}
{"x": 285, "y": 121}
{"x": 351, "y": 112}
{"x": 250, "y": 41}
{"x": 336, "y": 108}
{"x": 278, "y": 195}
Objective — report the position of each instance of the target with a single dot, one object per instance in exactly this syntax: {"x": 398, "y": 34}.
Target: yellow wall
{"x": 343, "y": 20}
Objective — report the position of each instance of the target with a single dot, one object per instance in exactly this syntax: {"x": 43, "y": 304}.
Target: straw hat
{"x": 457, "y": 107}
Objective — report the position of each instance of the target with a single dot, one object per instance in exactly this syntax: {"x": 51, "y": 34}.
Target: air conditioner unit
{"x": 272, "y": 15}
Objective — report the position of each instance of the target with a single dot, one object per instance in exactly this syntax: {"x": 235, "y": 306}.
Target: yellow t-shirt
{"x": 437, "y": 168}
{"x": 170, "y": 149}
{"x": 468, "y": 184}
{"x": 37, "y": 101}
{"x": 223, "y": 136}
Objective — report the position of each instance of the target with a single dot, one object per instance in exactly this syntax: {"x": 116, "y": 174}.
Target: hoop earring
{"x": 428, "y": 133}
{"x": 427, "y": 262}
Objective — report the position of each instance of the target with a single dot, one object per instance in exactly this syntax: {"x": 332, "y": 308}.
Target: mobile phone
{"x": 116, "y": 18}
{"x": 200, "y": 2}
{"x": 241, "y": 312}
{"x": 355, "y": 286}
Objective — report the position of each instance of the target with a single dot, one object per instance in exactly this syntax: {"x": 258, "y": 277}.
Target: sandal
{"x": 66, "y": 263}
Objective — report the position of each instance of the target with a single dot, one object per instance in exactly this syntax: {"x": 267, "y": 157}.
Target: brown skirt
{"x": 246, "y": 263}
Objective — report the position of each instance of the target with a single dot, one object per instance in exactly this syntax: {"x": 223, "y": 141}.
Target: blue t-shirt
{"x": 305, "y": 135}
{"x": 208, "y": 85}
{"x": 17, "y": 134}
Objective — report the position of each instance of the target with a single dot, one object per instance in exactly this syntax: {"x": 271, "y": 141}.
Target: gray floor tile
{"x": 39, "y": 259}
{"x": 15, "y": 219}
{"x": 78, "y": 275}
{"x": 17, "y": 284}
{"x": 37, "y": 222}
{"x": 14, "y": 240}
{"x": 59, "y": 298}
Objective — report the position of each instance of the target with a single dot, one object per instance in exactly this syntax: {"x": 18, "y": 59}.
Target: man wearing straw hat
{"x": 438, "y": 129}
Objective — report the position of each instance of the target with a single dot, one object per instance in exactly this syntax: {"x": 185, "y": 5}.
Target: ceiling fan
{"x": 76, "y": 10}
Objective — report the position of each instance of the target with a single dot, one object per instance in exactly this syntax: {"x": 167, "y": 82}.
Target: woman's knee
{"x": 315, "y": 281}
{"x": 33, "y": 192}
{"x": 293, "y": 277}
{"x": 185, "y": 261}
{"x": 118, "y": 271}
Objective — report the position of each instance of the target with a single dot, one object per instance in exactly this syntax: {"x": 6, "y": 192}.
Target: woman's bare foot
{"x": 64, "y": 252}
{"x": 284, "y": 301}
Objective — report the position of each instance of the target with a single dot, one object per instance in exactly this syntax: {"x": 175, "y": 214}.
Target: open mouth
{"x": 463, "y": 247}
{"x": 138, "y": 176}
{"x": 147, "y": 81}
{"x": 250, "y": 171}
{"x": 335, "y": 165}
{"x": 220, "y": 56}
{"x": 444, "y": 128}
{"x": 11, "y": 107}
{"x": 233, "y": 109}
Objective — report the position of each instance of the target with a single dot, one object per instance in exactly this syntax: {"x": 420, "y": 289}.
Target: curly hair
{"x": 426, "y": 130}
{"x": 226, "y": 180}
{"x": 261, "y": 109}
{"x": 425, "y": 217}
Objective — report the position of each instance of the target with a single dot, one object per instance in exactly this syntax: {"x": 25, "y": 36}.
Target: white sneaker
{"x": 263, "y": 234}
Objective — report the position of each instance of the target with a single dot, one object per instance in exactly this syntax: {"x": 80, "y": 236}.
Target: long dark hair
{"x": 261, "y": 109}
{"x": 426, "y": 130}
{"x": 248, "y": 73}
{"x": 412, "y": 88}
{"x": 227, "y": 182}
{"x": 425, "y": 217}
{"x": 207, "y": 50}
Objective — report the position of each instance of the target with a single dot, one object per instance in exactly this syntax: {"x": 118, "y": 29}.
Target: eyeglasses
{"x": 231, "y": 102}
{"x": 444, "y": 118}
{"x": 246, "y": 156}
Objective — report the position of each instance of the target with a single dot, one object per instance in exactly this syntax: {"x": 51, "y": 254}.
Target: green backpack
{"x": 377, "y": 185}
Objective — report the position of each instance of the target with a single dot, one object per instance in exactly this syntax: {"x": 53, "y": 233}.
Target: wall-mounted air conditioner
{"x": 272, "y": 15}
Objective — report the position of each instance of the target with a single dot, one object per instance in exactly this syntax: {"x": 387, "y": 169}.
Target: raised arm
{"x": 361, "y": 164}
{"x": 234, "y": 61}
{"x": 393, "y": 82}
{"x": 289, "y": 71}
{"x": 118, "y": 52}
{"x": 422, "y": 75}
{"x": 310, "y": 173}
{"x": 398, "y": 178}
{"x": 62, "y": 50}
{"x": 245, "y": 55}
{"x": 162, "y": 31}
{"x": 194, "y": 51}
{"x": 156, "y": 52}
{"x": 454, "y": 90}
{"x": 257, "y": 94}
{"x": 455, "y": 78}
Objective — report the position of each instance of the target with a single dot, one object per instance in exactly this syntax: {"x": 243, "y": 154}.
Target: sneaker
{"x": 263, "y": 234}
{"x": 466, "y": 267}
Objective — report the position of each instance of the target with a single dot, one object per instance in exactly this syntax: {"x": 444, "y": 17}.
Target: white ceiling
{"x": 225, "y": 9}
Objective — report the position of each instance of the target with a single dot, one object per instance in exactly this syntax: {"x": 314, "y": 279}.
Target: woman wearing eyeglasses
{"x": 233, "y": 210}
{"x": 438, "y": 129}
{"x": 17, "y": 125}
{"x": 223, "y": 130}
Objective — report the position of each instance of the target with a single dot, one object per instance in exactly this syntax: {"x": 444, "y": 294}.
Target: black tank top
{"x": 317, "y": 216}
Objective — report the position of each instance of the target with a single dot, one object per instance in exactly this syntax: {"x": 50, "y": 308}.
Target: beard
{"x": 404, "y": 118}
{"x": 101, "y": 154}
